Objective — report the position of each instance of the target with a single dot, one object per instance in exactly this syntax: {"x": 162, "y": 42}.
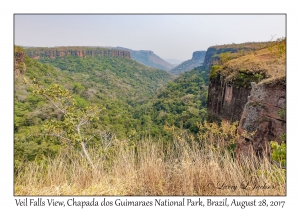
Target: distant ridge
{"x": 197, "y": 60}
{"x": 54, "y": 52}
{"x": 148, "y": 58}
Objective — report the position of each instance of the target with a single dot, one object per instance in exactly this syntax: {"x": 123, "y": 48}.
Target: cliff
{"x": 212, "y": 55}
{"x": 19, "y": 62}
{"x": 251, "y": 89}
{"x": 148, "y": 58}
{"x": 53, "y": 52}
{"x": 197, "y": 60}
{"x": 263, "y": 117}
{"x": 225, "y": 101}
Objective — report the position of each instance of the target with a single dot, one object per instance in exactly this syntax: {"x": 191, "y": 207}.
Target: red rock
{"x": 263, "y": 115}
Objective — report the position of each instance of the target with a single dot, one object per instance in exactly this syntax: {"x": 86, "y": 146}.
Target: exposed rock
{"x": 264, "y": 116}
{"x": 260, "y": 74}
{"x": 196, "y": 61}
{"x": 37, "y": 53}
{"x": 211, "y": 58}
{"x": 225, "y": 101}
{"x": 230, "y": 84}
{"x": 19, "y": 62}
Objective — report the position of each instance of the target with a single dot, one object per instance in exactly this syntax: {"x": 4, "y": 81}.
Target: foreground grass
{"x": 183, "y": 167}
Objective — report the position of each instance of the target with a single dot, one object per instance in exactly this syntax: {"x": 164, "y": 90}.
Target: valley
{"x": 154, "y": 118}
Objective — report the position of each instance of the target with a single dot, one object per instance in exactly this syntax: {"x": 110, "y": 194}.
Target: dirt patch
{"x": 265, "y": 57}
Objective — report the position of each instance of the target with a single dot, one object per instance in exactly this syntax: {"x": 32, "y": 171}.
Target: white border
{"x": 8, "y": 8}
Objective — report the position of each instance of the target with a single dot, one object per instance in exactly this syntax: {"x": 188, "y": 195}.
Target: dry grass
{"x": 270, "y": 61}
{"x": 247, "y": 45}
{"x": 262, "y": 61}
{"x": 183, "y": 167}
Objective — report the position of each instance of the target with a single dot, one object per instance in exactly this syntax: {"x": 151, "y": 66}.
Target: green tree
{"x": 74, "y": 129}
{"x": 225, "y": 57}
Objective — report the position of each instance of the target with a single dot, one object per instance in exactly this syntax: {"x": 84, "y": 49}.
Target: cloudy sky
{"x": 169, "y": 36}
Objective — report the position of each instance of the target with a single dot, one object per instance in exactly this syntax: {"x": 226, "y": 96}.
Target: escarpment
{"x": 197, "y": 60}
{"x": 251, "y": 89}
{"x": 54, "y": 52}
{"x": 213, "y": 53}
{"x": 19, "y": 62}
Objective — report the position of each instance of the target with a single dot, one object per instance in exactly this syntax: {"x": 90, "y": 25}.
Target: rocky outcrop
{"x": 225, "y": 100}
{"x": 196, "y": 60}
{"x": 39, "y": 52}
{"x": 251, "y": 89}
{"x": 263, "y": 118}
{"x": 211, "y": 57}
{"x": 19, "y": 62}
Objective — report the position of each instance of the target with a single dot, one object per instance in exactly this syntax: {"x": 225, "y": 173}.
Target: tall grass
{"x": 184, "y": 166}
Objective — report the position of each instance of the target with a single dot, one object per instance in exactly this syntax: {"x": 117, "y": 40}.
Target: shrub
{"x": 279, "y": 153}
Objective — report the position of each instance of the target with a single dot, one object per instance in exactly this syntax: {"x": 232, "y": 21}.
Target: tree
{"x": 225, "y": 57}
{"x": 74, "y": 129}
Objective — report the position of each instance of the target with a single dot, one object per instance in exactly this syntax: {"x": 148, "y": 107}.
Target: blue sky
{"x": 169, "y": 36}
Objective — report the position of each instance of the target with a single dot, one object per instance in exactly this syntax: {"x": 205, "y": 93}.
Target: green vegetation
{"x": 74, "y": 129}
{"x": 245, "y": 78}
{"x": 282, "y": 112}
{"x": 215, "y": 69}
{"x": 116, "y": 84}
{"x": 122, "y": 86}
{"x": 181, "y": 103}
{"x": 225, "y": 57}
{"x": 279, "y": 153}
{"x": 197, "y": 60}
{"x": 183, "y": 166}
{"x": 18, "y": 49}
{"x": 123, "y": 119}
{"x": 278, "y": 47}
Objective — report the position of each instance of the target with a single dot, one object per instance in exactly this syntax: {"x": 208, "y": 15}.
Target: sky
{"x": 168, "y": 36}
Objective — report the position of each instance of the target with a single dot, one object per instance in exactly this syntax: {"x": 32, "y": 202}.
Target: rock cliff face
{"x": 225, "y": 101}
{"x": 250, "y": 89}
{"x": 19, "y": 62}
{"x": 196, "y": 60}
{"x": 211, "y": 57}
{"x": 264, "y": 116}
{"x": 37, "y": 53}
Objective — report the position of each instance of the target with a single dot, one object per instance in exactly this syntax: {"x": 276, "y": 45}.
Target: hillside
{"x": 196, "y": 60}
{"x": 148, "y": 58}
{"x": 181, "y": 103}
{"x": 19, "y": 61}
{"x": 114, "y": 83}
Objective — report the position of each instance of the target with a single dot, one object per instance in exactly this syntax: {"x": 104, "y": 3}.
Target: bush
{"x": 278, "y": 153}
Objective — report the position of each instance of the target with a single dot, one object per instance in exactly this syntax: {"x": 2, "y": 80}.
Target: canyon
{"x": 249, "y": 87}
